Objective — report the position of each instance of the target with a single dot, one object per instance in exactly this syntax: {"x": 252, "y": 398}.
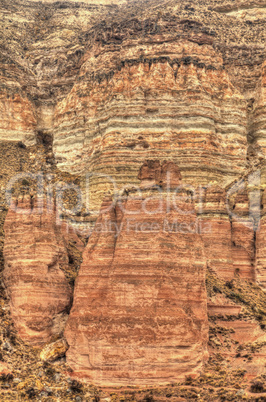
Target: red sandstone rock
{"x": 216, "y": 233}
{"x": 34, "y": 253}
{"x": 243, "y": 245}
{"x": 227, "y": 233}
{"x": 152, "y": 173}
{"x": 139, "y": 312}
{"x": 17, "y": 118}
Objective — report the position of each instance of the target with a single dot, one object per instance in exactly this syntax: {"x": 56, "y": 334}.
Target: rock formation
{"x": 34, "y": 254}
{"x": 139, "y": 311}
{"x": 173, "y": 101}
{"x": 161, "y": 105}
{"x": 17, "y": 118}
{"x": 228, "y": 232}
{"x": 113, "y": 79}
{"x": 260, "y": 247}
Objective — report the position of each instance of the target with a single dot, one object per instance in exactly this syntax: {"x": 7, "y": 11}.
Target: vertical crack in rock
{"x": 261, "y": 247}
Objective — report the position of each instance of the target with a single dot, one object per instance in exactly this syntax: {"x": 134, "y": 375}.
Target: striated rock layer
{"x": 139, "y": 314}
{"x": 136, "y": 80}
{"x": 103, "y": 86}
{"x": 166, "y": 100}
{"x": 261, "y": 247}
{"x": 34, "y": 253}
{"x": 228, "y": 232}
{"x": 17, "y": 118}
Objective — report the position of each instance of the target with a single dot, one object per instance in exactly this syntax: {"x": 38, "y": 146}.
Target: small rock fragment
{"x": 54, "y": 350}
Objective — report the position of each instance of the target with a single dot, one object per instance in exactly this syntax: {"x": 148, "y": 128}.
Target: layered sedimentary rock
{"x": 106, "y": 85}
{"x": 216, "y": 231}
{"x": 41, "y": 48}
{"x": 243, "y": 228}
{"x": 17, "y": 118}
{"x": 170, "y": 100}
{"x": 228, "y": 230}
{"x": 258, "y": 126}
{"x": 35, "y": 254}
{"x": 43, "y": 43}
{"x": 17, "y": 111}
{"x": 244, "y": 10}
{"x": 139, "y": 311}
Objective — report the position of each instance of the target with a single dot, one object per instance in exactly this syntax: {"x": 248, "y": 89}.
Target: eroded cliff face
{"x": 166, "y": 100}
{"x": 140, "y": 305}
{"x": 142, "y": 256}
{"x": 129, "y": 92}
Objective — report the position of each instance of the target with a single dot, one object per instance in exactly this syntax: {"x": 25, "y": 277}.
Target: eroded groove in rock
{"x": 34, "y": 253}
{"x": 139, "y": 314}
{"x": 260, "y": 248}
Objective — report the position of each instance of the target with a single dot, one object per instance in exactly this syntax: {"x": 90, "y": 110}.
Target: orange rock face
{"x": 217, "y": 239}
{"x": 229, "y": 237}
{"x": 17, "y": 118}
{"x": 140, "y": 309}
{"x": 34, "y": 253}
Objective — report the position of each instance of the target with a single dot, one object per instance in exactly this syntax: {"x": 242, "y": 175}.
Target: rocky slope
{"x": 109, "y": 97}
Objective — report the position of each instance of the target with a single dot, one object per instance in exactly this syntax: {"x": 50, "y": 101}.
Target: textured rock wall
{"x": 108, "y": 87}
{"x": 260, "y": 248}
{"x": 35, "y": 254}
{"x": 166, "y": 100}
{"x": 228, "y": 233}
{"x": 17, "y": 118}
{"x": 258, "y": 126}
{"x": 41, "y": 47}
{"x": 140, "y": 311}
{"x": 217, "y": 237}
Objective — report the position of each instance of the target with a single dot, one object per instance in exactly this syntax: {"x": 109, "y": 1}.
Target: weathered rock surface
{"x": 5, "y": 372}
{"x": 17, "y": 119}
{"x": 114, "y": 78}
{"x": 140, "y": 307}
{"x": 258, "y": 126}
{"x": 103, "y": 86}
{"x": 228, "y": 232}
{"x": 171, "y": 100}
{"x": 34, "y": 253}
{"x": 54, "y": 350}
{"x": 260, "y": 247}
